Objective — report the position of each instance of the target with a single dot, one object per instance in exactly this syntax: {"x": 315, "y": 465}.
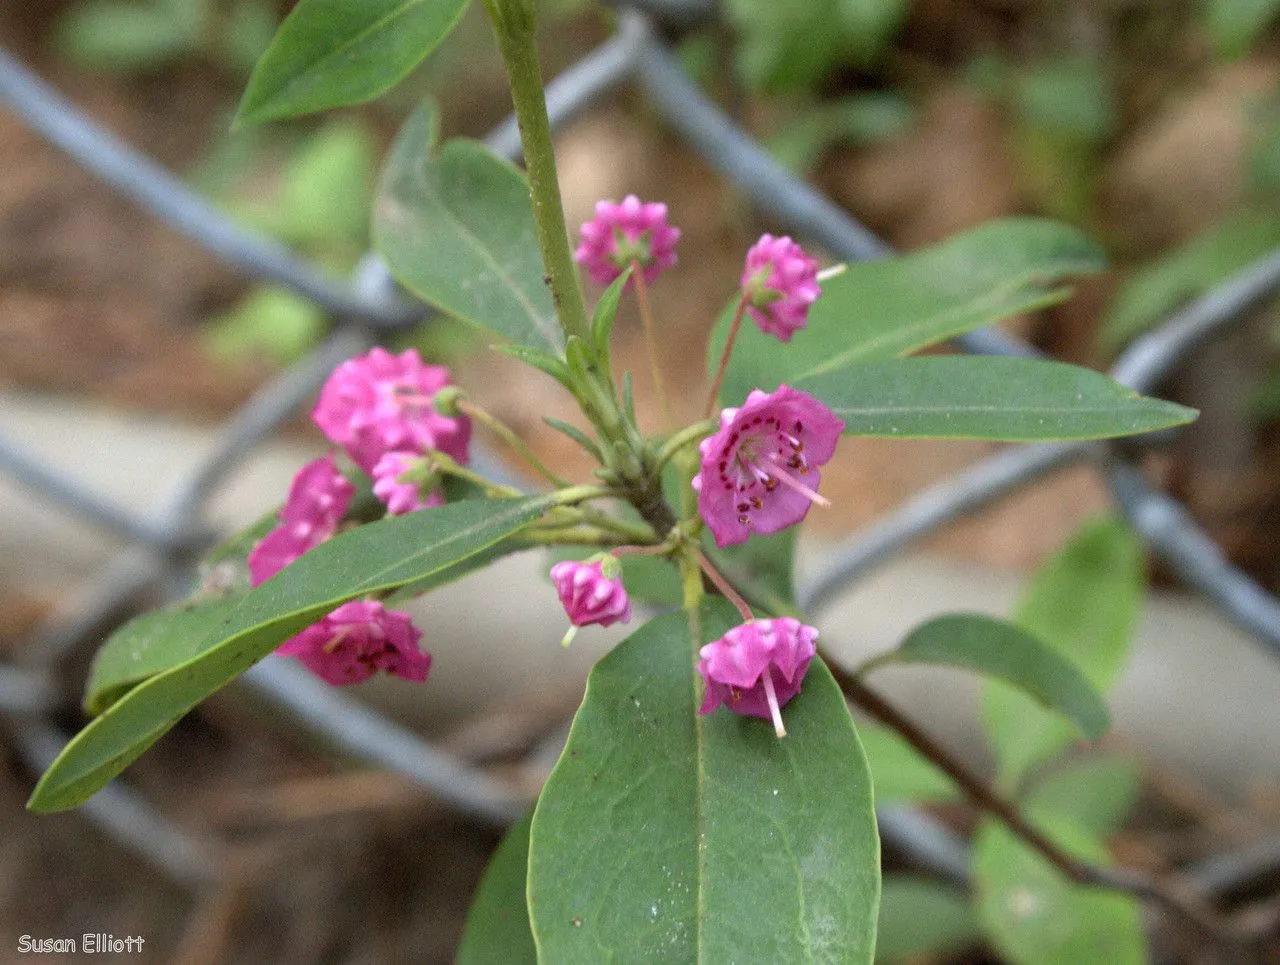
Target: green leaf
{"x": 1236, "y": 25}
{"x": 663, "y": 835}
{"x": 497, "y": 930}
{"x": 369, "y": 559}
{"x": 998, "y": 649}
{"x": 855, "y": 119}
{"x": 457, "y": 230}
{"x": 329, "y": 53}
{"x": 898, "y": 772}
{"x": 270, "y": 321}
{"x": 606, "y": 313}
{"x": 152, "y": 643}
{"x": 1095, "y": 793}
{"x": 1084, "y": 603}
{"x": 879, "y": 310}
{"x": 922, "y": 919}
{"x": 981, "y": 397}
{"x": 1150, "y": 294}
{"x": 124, "y": 37}
{"x": 1034, "y": 915}
{"x": 544, "y": 362}
{"x": 788, "y": 46}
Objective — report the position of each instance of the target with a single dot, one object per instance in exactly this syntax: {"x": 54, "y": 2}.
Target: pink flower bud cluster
{"x": 378, "y": 408}
{"x": 620, "y": 234}
{"x": 357, "y": 640}
{"x": 780, "y": 282}
{"x": 379, "y": 405}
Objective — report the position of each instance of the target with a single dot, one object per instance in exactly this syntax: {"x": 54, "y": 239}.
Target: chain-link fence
{"x": 163, "y": 546}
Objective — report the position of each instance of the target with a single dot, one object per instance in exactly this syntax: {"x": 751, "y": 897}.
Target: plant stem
{"x": 514, "y": 24}
{"x": 724, "y": 356}
{"x": 484, "y": 417}
{"x": 723, "y": 585}
{"x": 686, "y": 436}
{"x": 983, "y": 797}
{"x": 650, "y": 339}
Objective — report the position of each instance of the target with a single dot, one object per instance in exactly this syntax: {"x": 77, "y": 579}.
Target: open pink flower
{"x": 588, "y": 595}
{"x": 380, "y": 403}
{"x": 401, "y": 496}
{"x": 358, "y": 639}
{"x": 622, "y": 233}
{"x": 756, "y": 668}
{"x": 780, "y": 282}
{"x": 318, "y": 498}
{"x": 759, "y": 472}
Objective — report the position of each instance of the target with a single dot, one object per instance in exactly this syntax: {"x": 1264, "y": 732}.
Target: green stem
{"x": 580, "y": 494}
{"x": 485, "y": 418}
{"x": 514, "y": 24}
{"x": 687, "y": 436}
{"x": 447, "y": 466}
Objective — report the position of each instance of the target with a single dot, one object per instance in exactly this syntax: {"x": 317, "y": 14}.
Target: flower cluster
{"x": 380, "y": 405}
{"x": 779, "y": 283}
{"x": 318, "y": 499}
{"x": 379, "y": 409}
{"x": 759, "y": 473}
{"x": 633, "y": 232}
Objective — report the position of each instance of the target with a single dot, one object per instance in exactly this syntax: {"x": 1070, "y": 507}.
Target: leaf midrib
{"x": 286, "y": 88}
{"x": 540, "y": 325}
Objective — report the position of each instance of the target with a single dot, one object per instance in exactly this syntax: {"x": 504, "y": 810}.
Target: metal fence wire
{"x": 163, "y": 545}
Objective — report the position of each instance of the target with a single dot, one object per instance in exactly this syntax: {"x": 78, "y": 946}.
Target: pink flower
{"x": 757, "y": 668}
{"x": 358, "y": 639}
{"x": 318, "y": 498}
{"x": 759, "y": 472}
{"x": 401, "y": 496}
{"x": 589, "y": 595}
{"x": 379, "y": 403}
{"x": 622, "y": 233}
{"x": 780, "y": 282}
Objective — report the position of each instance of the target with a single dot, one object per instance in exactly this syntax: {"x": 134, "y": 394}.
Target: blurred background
{"x": 1152, "y": 124}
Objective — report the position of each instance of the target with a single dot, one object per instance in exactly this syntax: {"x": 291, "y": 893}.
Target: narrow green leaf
{"x": 879, "y": 310}
{"x": 1155, "y": 290}
{"x": 999, "y": 649}
{"x": 1084, "y": 603}
{"x": 606, "y": 313}
{"x": 122, "y": 37}
{"x": 665, "y": 836}
{"x": 1236, "y": 25}
{"x": 329, "y": 53}
{"x": 922, "y": 919}
{"x": 542, "y": 361}
{"x": 978, "y": 397}
{"x": 369, "y": 559}
{"x": 898, "y": 772}
{"x": 1034, "y": 915}
{"x": 153, "y": 643}
{"x": 497, "y": 930}
{"x": 457, "y": 230}
{"x": 577, "y": 435}
{"x": 1095, "y": 793}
